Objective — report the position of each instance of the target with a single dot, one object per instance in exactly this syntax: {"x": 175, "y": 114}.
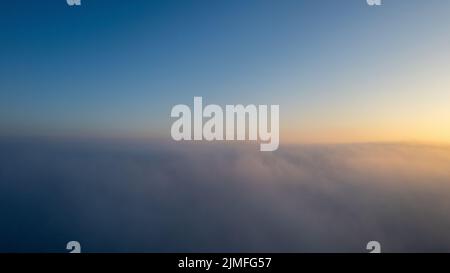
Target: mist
{"x": 158, "y": 196}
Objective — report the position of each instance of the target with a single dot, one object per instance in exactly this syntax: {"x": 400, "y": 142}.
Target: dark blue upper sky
{"x": 117, "y": 67}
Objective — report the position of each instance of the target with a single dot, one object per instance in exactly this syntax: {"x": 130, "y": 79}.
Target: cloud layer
{"x": 160, "y": 197}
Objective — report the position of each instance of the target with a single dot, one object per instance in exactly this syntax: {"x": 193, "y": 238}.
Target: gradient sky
{"x": 342, "y": 71}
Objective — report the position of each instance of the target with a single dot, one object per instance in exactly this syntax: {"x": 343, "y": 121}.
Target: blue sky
{"x": 117, "y": 67}
{"x": 340, "y": 70}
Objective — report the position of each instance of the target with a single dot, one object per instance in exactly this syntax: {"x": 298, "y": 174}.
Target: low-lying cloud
{"x": 159, "y": 197}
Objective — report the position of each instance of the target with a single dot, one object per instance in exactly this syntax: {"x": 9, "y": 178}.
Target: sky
{"x": 105, "y": 76}
{"x": 341, "y": 71}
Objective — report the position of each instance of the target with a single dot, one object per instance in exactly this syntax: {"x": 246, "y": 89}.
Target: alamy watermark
{"x": 369, "y": 2}
{"x": 374, "y": 2}
{"x": 73, "y": 2}
{"x": 231, "y": 125}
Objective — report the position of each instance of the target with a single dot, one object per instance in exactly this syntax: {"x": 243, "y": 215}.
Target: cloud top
{"x": 153, "y": 197}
